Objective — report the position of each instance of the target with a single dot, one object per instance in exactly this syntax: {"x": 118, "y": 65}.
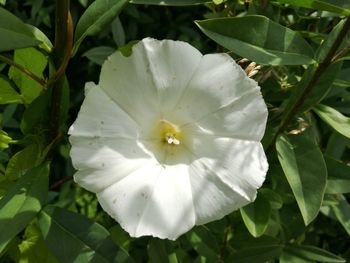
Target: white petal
{"x": 100, "y": 116}
{"x": 217, "y": 81}
{"x": 172, "y": 65}
{"x": 155, "y": 200}
{"x": 244, "y": 118}
{"x": 151, "y": 78}
{"x": 236, "y": 168}
{"x": 104, "y": 161}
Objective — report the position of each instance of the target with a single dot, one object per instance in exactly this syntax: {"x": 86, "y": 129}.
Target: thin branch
{"x": 30, "y": 74}
{"x": 312, "y": 83}
{"x": 60, "y": 182}
{"x": 62, "y": 54}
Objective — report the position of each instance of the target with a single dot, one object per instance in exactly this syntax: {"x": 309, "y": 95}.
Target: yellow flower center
{"x": 169, "y": 132}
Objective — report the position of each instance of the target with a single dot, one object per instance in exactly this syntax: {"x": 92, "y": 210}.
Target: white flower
{"x": 170, "y": 138}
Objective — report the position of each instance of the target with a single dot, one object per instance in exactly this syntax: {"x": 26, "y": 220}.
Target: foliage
{"x": 302, "y": 212}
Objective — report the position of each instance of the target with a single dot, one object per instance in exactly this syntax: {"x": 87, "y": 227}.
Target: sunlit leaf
{"x": 81, "y": 239}
{"x": 36, "y": 62}
{"x": 259, "y": 39}
{"x": 22, "y": 203}
{"x": 313, "y": 253}
{"x": 305, "y": 170}
{"x": 14, "y": 33}
{"x": 256, "y": 216}
{"x": 334, "y": 118}
{"x": 336, "y": 6}
{"x": 95, "y": 18}
{"x": 7, "y": 93}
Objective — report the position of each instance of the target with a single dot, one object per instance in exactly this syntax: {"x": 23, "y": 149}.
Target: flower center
{"x": 169, "y": 132}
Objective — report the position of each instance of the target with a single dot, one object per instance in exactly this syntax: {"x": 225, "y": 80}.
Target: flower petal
{"x": 217, "y": 81}
{"x": 244, "y": 118}
{"x": 230, "y": 170}
{"x": 155, "y": 200}
{"x": 142, "y": 80}
{"x": 103, "y": 161}
{"x": 99, "y": 116}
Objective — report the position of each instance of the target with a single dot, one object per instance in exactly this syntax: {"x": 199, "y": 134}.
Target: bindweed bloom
{"x": 170, "y": 138}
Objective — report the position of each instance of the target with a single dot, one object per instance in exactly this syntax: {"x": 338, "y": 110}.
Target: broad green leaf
{"x": 257, "y": 250}
{"x": 5, "y": 140}
{"x": 170, "y": 2}
{"x": 338, "y": 181}
{"x": 14, "y": 33}
{"x": 99, "y": 54}
{"x": 288, "y": 258}
{"x": 7, "y": 93}
{"x": 36, "y": 116}
{"x": 312, "y": 253}
{"x": 305, "y": 170}
{"x": 327, "y": 44}
{"x": 81, "y": 239}
{"x": 334, "y": 118}
{"x": 118, "y": 32}
{"x": 259, "y": 39}
{"x": 22, "y": 202}
{"x": 161, "y": 251}
{"x": 39, "y": 35}
{"x": 95, "y": 18}
{"x": 273, "y": 198}
{"x": 204, "y": 243}
{"x": 36, "y": 62}
{"x": 256, "y": 216}
{"x": 33, "y": 248}
{"x": 21, "y": 162}
{"x": 335, "y": 6}
{"x": 339, "y": 212}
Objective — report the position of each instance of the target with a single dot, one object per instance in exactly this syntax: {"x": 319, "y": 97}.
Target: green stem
{"x": 314, "y": 79}
{"x": 62, "y": 53}
{"x": 30, "y": 74}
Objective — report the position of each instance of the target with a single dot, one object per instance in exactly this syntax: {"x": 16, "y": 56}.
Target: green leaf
{"x": 305, "y": 170}
{"x": 14, "y": 33}
{"x": 170, "y": 2}
{"x": 204, "y": 243}
{"x": 257, "y": 250}
{"x": 327, "y": 44}
{"x": 39, "y": 35}
{"x": 256, "y": 216}
{"x": 118, "y": 32}
{"x": 99, "y": 54}
{"x": 33, "y": 248}
{"x": 312, "y": 253}
{"x": 259, "y": 39}
{"x": 7, "y": 93}
{"x": 36, "y": 62}
{"x": 339, "y": 212}
{"x": 288, "y": 258}
{"x": 21, "y": 162}
{"x": 22, "y": 202}
{"x": 5, "y": 140}
{"x": 161, "y": 251}
{"x": 95, "y": 18}
{"x": 338, "y": 181}
{"x": 36, "y": 116}
{"x": 334, "y": 118}
{"x": 335, "y": 6}
{"x": 81, "y": 239}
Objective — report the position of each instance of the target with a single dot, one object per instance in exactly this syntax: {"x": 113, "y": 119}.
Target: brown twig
{"x": 30, "y": 74}
{"x": 61, "y": 181}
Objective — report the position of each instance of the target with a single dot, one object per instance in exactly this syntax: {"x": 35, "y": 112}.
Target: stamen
{"x": 170, "y": 138}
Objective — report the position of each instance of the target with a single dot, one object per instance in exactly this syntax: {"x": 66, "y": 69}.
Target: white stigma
{"x": 170, "y": 138}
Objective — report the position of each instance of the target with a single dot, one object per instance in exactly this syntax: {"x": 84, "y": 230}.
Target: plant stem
{"x": 62, "y": 53}
{"x": 61, "y": 181}
{"x": 30, "y": 74}
{"x": 315, "y": 77}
